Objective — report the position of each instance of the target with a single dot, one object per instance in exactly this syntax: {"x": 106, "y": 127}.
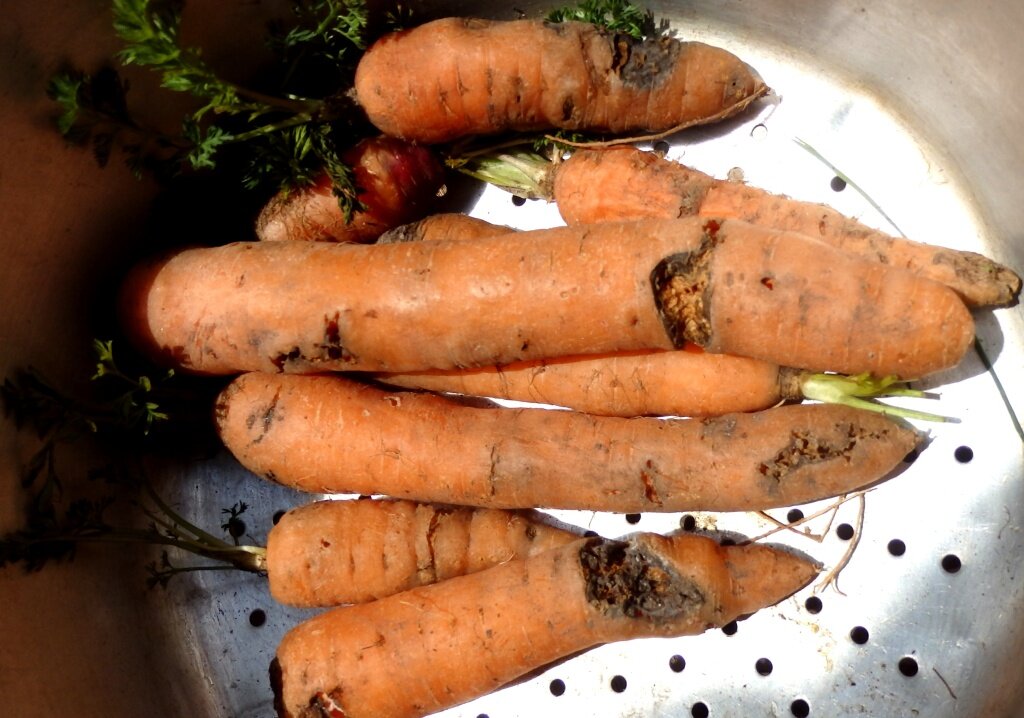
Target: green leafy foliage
{"x": 615, "y": 15}
{"x": 287, "y": 133}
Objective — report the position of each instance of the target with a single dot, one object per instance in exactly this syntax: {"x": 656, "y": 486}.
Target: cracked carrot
{"x": 444, "y": 80}
{"x": 730, "y": 287}
{"x": 329, "y": 434}
{"x": 386, "y": 659}
{"x": 628, "y": 183}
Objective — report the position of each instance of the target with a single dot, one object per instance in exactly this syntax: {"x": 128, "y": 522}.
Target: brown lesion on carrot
{"x": 682, "y": 291}
{"x": 644, "y": 63}
{"x": 265, "y": 417}
{"x": 647, "y": 476}
{"x": 805, "y": 448}
{"x": 622, "y": 579}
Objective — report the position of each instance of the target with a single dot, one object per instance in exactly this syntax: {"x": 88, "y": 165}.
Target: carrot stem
{"x": 861, "y": 391}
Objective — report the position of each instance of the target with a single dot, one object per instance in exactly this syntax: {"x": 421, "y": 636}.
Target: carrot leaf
{"x": 614, "y": 15}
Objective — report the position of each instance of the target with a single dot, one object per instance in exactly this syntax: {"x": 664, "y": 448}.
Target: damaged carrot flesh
{"x": 386, "y": 659}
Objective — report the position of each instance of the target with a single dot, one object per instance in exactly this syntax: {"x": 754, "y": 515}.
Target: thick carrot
{"x": 328, "y": 434}
{"x": 455, "y": 77}
{"x": 430, "y": 648}
{"x": 730, "y": 287}
{"x": 396, "y": 182}
{"x": 627, "y": 183}
{"x": 328, "y": 553}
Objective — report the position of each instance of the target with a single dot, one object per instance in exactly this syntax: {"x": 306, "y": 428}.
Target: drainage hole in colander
{"x": 838, "y": 184}
{"x": 557, "y": 687}
{"x": 730, "y": 628}
{"x": 951, "y": 563}
{"x": 277, "y": 516}
{"x": 911, "y": 457}
{"x": 677, "y": 663}
{"x": 897, "y": 547}
{"x": 963, "y": 454}
{"x": 859, "y": 635}
{"x": 518, "y": 201}
{"x": 908, "y": 666}
{"x": 844, "y": 531}
{"x": 794, "y": 515}
{"x": 699, "y": 710}
{"x": 661, "y": 147}
{"x": 800, "y": 708}
{"x": 618, "y": 683}
{"x": 813, "y": 604}
{"x": 763, "y": 666}
{"x": 688, "y": 523}
{"x": 257, "y": 617}
{"x": 632, "y": 518}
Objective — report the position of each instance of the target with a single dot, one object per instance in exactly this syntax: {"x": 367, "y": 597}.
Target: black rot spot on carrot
{"x": 768, "y": 282}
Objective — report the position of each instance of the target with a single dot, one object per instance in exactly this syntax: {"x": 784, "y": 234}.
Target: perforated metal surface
{"x": 926, "y": 619}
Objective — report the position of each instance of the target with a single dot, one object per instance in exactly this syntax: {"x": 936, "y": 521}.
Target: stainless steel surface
{"x": 921, "y": 104}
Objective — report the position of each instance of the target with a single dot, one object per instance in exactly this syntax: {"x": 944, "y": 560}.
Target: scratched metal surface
{"x": 900, "y": 632}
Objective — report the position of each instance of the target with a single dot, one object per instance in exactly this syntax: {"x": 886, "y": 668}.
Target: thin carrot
{"x": 396, "y": 182}
{"x": 431, "y": 648}
{"x": 627, "y": 183}
{"x": 730, "y": 287}
{"x": 327, "y": 553}
{"x": 442, "y": 227}
{"x": 328, "y": 434}
{"x": 455, "y": 77}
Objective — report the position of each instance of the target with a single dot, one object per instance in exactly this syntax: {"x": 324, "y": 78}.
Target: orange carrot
{"x": 328, "y": 434}
{"x": 627, "y": 183}
{"x": 328, "y": 553}
{"x": 730, "y": 287}
{"x": 434, "y": 647}
{"x": 396, "y": 183}
{"x": 683, "y": 382}
{"x": 443, "y": 227}
{"x": 455, "y": 77}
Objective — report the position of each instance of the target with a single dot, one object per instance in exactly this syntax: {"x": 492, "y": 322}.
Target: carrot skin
{"x": 306, "y": 307}
{"x": 637, "y": 184}
{"x": 449, "y": 78}
{"x": 396, "y": 183}
{"x": 328, "y": 434}
{"x": 499, "y": 624}
{"x": 442, "y": 227}
{"x": 333, "y": 552}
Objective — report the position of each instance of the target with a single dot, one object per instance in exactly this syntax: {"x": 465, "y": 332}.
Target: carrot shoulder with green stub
{"x": 329, "y": 434}
{"x": 728, "y": 286}
{"x": 386, "y": 659}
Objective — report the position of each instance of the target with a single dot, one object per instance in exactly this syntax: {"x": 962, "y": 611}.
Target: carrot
{"x": 455, "y": 77}
{"x": 328, "y": 553}
{"x": 396, "y": 183}
{"x": 633, "y": 184}
{"x": 329, "y": 434}
{"x": 730, "y": 287}
{"x": 442, "y": 227}
{"x": 434, "y": 647}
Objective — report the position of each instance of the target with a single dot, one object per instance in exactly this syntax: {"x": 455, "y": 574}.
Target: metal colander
{"x": 921, "y": 105}
{"x": 920, "y": 611}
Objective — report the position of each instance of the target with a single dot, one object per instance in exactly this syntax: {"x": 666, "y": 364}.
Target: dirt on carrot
{"x": 396, "y": 183}
{"x": 730, "y": 287}
{"x": 628, "y": 183}
{"x": 397, "y": 657}
{"x": 455, "y": 77}
{"x": 333, "y": 552}
{"x": 329, "y": 434}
